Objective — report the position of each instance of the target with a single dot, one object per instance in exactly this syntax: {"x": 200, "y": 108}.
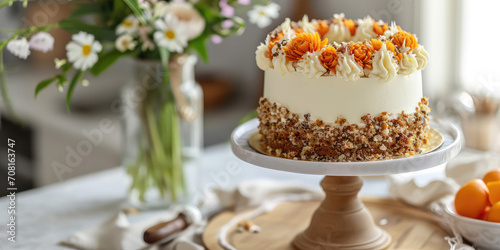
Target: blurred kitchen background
{"x": 460, "y": 80}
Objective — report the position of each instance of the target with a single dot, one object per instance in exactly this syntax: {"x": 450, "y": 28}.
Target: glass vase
{"x": 163, "y": 132}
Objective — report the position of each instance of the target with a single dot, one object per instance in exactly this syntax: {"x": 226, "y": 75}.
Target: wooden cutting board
{"x": 409, "y": 227}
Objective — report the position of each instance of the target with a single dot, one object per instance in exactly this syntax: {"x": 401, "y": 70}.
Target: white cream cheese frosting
{"x": 384, "y": 65}
{"x": 263, "y": 61}
{"x": 307, "y": 26}
{"x": 310, "y": 66}
{"x": 338, "y": 32}
{"x": 282, "y": 65}
{"x": 347, "y": 68}
{"x": 408, "y": 64}
{"x": 422, "y": 56}
{"x": 364, "y": 30}
{"x": 330, "y": 97}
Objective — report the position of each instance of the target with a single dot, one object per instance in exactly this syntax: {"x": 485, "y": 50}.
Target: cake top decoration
{"x": 342, "y": 47}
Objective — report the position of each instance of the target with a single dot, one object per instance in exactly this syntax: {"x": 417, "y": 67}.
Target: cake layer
{"x": 329, "y": 97}
{"x": 381, "y": 136}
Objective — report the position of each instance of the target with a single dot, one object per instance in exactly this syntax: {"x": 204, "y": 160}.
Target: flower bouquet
{"x": 164, "y": 34}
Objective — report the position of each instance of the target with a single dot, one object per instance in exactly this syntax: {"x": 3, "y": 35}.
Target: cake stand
{"x": 342, "y": 221}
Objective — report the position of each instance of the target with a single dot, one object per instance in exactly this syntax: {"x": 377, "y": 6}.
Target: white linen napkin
{"x": 466, "y": 166}
{"x": 118, "y": 233}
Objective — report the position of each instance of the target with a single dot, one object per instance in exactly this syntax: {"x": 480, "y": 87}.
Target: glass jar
{"x": 163, "y": 132}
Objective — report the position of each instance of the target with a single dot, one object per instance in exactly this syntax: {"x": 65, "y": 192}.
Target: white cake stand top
{"x": 450, "y": 148}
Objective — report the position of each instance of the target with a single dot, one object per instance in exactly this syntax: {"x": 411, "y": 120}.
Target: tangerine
{"x": 472, "y": 199}
{"x": 494, "y": 215}
{"x": 493, "y": 175}
{"x": 494, "y": 188}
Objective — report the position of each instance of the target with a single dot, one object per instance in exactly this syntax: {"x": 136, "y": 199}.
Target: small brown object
{"x": 248, "y": 226}
{"x": 165, "y": 229}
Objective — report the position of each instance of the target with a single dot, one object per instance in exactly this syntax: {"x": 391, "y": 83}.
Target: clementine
{"x": 472, "y": 199}
{"x": 494, "y": 188}
{"x": 493, "y": 175}
{"x": 494, "y": 215}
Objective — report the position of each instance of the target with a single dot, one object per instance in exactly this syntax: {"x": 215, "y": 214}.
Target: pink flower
{"x": 226, "y": 9}
{"x": 42, "y": 41}
{"x": 227, "y": 24}
{"x": 244, "y": 2}
{"x": 216, "y": 39}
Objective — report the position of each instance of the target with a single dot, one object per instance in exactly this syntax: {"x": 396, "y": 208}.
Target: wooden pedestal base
{"x": 342, "y": 221}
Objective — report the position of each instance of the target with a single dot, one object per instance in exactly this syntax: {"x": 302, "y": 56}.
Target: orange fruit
{"x": 494, "y": 215}
{"x": 485, "y": 213}
{"x": 494, "y": 188}
{"x": 493, "y": 175}
{"x": 472, "y": 199}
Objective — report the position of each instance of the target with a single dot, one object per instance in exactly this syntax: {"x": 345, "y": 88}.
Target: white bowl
{"x": 483, "y": 234}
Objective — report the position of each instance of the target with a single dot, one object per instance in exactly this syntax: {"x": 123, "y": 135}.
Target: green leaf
{"x": 119, "y": 11}
{"x": 75, "y": 26}
{"x": 198, "y": 44}
{"x": 74, "y": 81}
{"x": 134, "y": 6}
{"x": 43, "y": 84}
{"x": 106, "y": 59}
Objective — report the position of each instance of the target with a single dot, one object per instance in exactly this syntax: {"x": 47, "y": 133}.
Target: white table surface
{"x": 49, "y": 214}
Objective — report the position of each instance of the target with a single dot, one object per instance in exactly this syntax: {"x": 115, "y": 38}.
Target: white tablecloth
{"x": 49, "y": 214}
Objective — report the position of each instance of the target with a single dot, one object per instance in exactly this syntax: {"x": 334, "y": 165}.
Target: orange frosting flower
{"x": 377, "y": 44}
{"x": 322, "y": 27}
{"x": 362, "y": 54}
{"x": 329, "y": 58}
{"x": 390, "y": 46}
{"x": 404, "y": 39}
{"x": 351, "y": 25}
{"x": 378, "y": 29}
{"x": 303, "y": 43}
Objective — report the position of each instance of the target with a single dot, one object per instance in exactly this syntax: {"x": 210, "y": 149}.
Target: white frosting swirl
{"x": 286, "y": 28}
{"x": 393, "y": 29}
{"x": 338, "y": 31}
{"x": 263, "y": 62}
{"x": 408, "y": 64}
{"x": 282, "y": 65}
{"x": 383, "y": 64}
{"x": 347, "y": 68}
{"x": 307, "y": 26}
{"x": 364, "y": 30}
{"x": 310, "y": 65}
{"x": 422, "y": 56}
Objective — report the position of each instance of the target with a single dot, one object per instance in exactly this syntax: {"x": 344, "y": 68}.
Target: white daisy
{"x": 262, "y": 15}
{"x": 125, "y": 42}
{"x": 19, "y": 47}
{"x": 170, "y": 34}
{"x": 42, "y": 41}
{"x": 82, "y": 51}
{"x": 129, "y": 25}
